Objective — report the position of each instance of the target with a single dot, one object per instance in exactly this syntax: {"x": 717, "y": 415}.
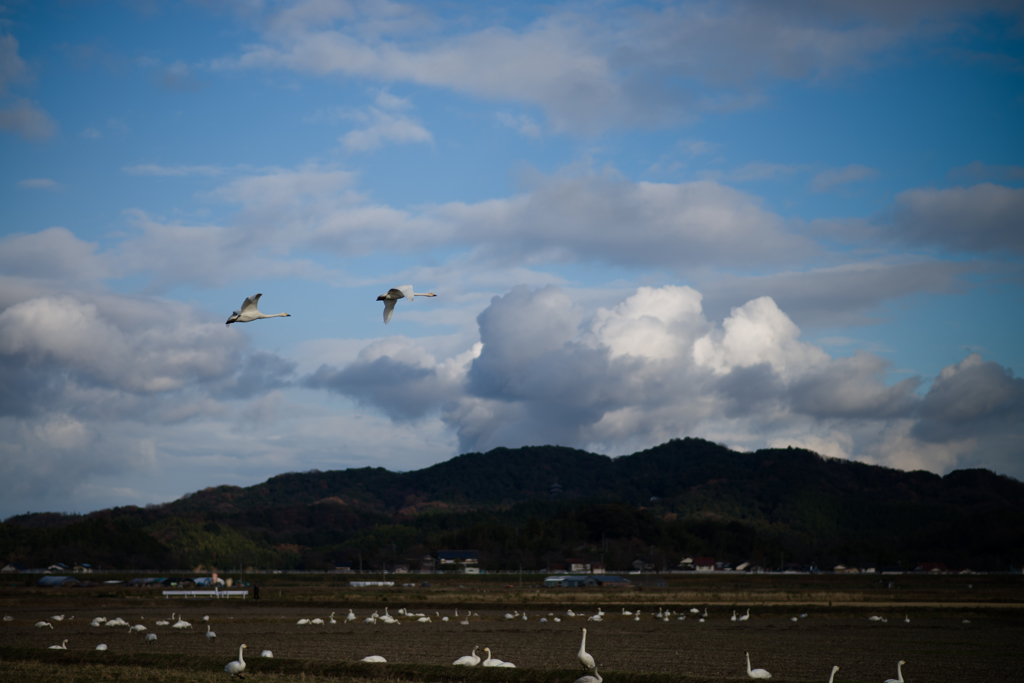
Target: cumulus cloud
{"x": 653, "y": 367}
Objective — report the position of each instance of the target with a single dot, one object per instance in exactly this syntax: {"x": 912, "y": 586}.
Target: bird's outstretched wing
{"x": 389, "y": 308}
{"x": 251, "y": 301}
{"x": 406, "y": 291}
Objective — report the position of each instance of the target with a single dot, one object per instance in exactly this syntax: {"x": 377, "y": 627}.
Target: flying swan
{"x": 756, "y": 673}
{"x": 249, "y": 312}
{"x": 396, "y": 293}
{"x": 236, "y": 667}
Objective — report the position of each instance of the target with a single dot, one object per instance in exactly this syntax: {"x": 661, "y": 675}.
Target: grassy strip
{"x": 424, "y": 673}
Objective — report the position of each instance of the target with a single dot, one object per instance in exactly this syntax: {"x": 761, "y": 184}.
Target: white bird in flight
{"x": 249, "y": 312}
{"x": 396, "y": 293}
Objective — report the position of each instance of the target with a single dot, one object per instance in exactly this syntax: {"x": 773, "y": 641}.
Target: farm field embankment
{"x": 936, "y": 643}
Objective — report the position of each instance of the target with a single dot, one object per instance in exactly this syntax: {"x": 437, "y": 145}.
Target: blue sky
{"x": 790, "y": 224}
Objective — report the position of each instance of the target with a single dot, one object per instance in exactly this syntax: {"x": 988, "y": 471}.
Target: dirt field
{"x": 936, "y": 644}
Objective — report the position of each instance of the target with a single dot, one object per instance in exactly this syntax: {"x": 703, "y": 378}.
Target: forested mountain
{"x": 537, "y": 505}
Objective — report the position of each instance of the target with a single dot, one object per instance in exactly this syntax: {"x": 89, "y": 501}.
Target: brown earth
{"x": 936, "y": 644}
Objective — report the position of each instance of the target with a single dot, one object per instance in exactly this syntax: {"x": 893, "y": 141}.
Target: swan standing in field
{"x": 181, "y": 623}
{"x": 150, "y": 637}
{"x": 267, "y": 653}
{"x": 43, "y": 624}
{"x": 755, "y": 673}
{"x": 906, "y": 619}
{"x": 626, "y": 613}
{"x": 236, "y": 667}
{"x": 63, "y": 646}
{"x": 249, "y": 312}
{"x": 465, "y": 621}
{"x": 374, "y": 659}
{"x": 351, "y": 616}
{"x": 206, "y": 618}
{"x": 833, "y": 674}
{"x": 332, "y": 620}
{"x": 745, "y": 616}
{"x": 468, "y": 660}
{"x": 490, "y": 662}
{"x": 569, "y": 613}
{"x": 210, "y": 635}
{"x": 8, "y": 617}
{"x": 585, "y": 659}
{"x": 317, "y": 622}
{"x": 138, "y": 628}
{"x": 57, "y": 617}
{"x": 396, "y": 293}
{"x": 733, "y": 617}
{"x": 302, "y": 622}
{"x": 596, "y": 678}
{"x": 102, "y": 647}
{"x": 899, "y": 673}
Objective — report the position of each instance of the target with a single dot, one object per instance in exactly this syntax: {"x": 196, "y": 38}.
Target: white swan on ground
{"x": 249, "y": 312}
{"x": 318, "y": 621}
{"x": 181, "y": 623}
{"x": 396, "y": 293}
{"x": 585, "y": 659}
{"x": 491, "y": 661}
{"x": 906, "y": 619}
{"x": 833, "y": 674}
{"x": 375, "y": 659}
{"x": 332, "y": 620}
{"x": 569, "y": 613}
{"x": 8, "y": 617}
{"x": 210, "y": 635}
{"x": 58, "y": 617}
{"x": 236, "y": 667}
{"x": 206, "y": 618}
{"x": 626, "y": 613}
{"x": 596, "y": 678}
{"x": 102, "y": 647}
{"x": 468, "y": 660}
{"x": 43, "y": 624}
{"x": 351, "y": 616}
{"x": 510, "y": 617}
{"x": 63, "y": 646}
{"x": 150, "y": 637}
{"x": 302, "y": 622}
{"x": 267, "y": 653}
{"x": 899, "y": 673}
{"x": 138, "y": 628}
{"x": 755, "y": 673}
{"x": 465, "y": 621}
{"x": 745, "y": 616}
{"x": 874, "y": 618}
{"x": 733, "y": 617}
{"x": 162, "y": 622}
{"x": 694, "y": 610}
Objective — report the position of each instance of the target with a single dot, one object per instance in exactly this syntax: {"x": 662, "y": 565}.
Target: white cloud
{"x": 39, "y": 184}
{"x": 91, "y": 134}
{"x": 982, "y": 218}
{"x": 384, "y": 127}
{"x": 12, "y": 67}
{"x": 832, "y": 177}
{"x": 179, "y": 170}
{"x": 522, "y": 124}
{"x": 55, "y": 254}
{"x": 28, "y": 120}
{"x": 590, "y": 70}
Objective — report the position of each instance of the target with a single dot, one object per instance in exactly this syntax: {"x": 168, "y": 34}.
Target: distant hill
{"x": 537, "y": 505}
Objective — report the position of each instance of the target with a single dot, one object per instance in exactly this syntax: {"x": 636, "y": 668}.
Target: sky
{"x": 762, "y": 224}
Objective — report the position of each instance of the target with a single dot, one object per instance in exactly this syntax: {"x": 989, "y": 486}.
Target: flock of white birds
{"x": 250, "y": 310}
{"x": 586, "y": 660}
